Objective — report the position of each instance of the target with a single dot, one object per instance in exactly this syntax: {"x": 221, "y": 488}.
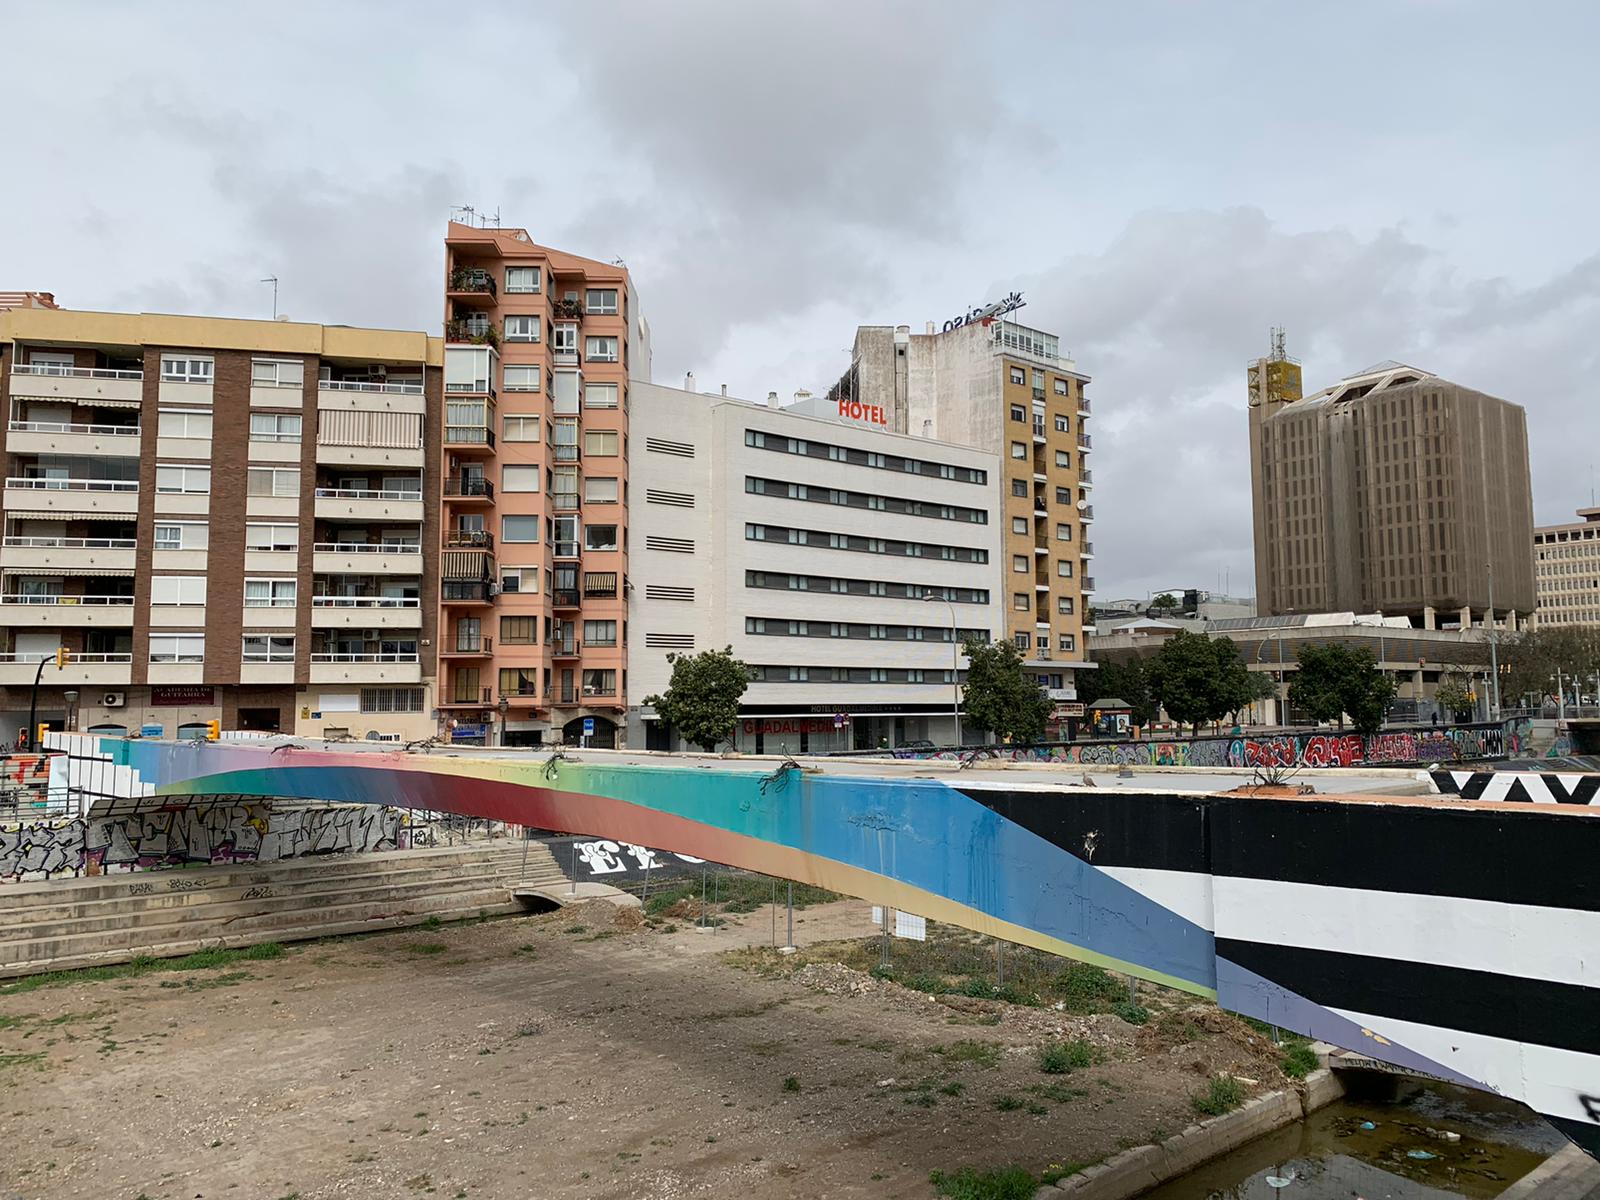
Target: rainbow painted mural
{"x": 1456, "y": 938}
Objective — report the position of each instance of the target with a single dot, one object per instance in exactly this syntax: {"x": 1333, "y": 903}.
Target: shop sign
{"x": 777, "y": 725}
{"x": 998, "y": 309}
{"x": 854, "y": 410}
{"x": 181, "y": 695}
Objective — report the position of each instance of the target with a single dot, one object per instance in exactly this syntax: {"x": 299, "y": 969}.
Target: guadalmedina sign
{"x": 999, "y": 308}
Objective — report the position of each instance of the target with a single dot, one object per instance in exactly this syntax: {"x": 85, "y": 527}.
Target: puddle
{"x": 1335, "y": 1155}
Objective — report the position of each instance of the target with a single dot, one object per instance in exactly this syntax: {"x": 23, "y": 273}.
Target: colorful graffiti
{"x": 201, "y": 835}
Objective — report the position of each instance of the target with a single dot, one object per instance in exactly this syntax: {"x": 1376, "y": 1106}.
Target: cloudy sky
{"x": 1411, "y": 180}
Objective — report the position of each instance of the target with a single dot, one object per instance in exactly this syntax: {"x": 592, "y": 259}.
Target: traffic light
{"x": 213, "y": 730}
{"x": 63, "y": 657}
{"x": 44, "y": 728}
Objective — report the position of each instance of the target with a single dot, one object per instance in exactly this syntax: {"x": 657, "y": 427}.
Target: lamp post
{"x": 71, "y": 697}
{"x": 504, "y": 706}
{"x": 955, "y": 662}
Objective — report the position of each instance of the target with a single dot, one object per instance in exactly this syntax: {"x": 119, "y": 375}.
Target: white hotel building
{"x": 834, "y": 558}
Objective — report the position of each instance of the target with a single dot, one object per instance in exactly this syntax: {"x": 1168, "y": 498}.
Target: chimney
{"x": 930, "y": 326}
{"x": 724, "y": 389}
{"x": 688, "y": 382}
{"x": 800, "y": 395}
{"x": 772, "y": 399}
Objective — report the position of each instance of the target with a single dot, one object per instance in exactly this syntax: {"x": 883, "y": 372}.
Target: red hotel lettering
{"x": 802, "y": 725}
{"x": 858, "y": 411}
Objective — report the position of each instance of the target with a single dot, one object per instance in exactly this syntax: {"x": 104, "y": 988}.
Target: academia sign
{"x": 998, "y": 309}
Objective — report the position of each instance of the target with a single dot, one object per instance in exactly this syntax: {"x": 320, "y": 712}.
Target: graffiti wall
{"x": 1455, "y": 743}
{"x": 200, "y": 836}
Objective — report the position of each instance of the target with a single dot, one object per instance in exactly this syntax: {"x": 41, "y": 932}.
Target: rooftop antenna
{"x": 273, "y": 280}
{"x": 468, "y": 213}
{"x": 1279, "y": 337}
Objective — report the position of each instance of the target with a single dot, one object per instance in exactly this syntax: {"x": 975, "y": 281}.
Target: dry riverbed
{"x": 584, "y": 1054}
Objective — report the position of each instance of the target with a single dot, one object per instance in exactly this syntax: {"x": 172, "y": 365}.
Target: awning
{"x": 121, "y": 572}
{"x": 88, "y": 402}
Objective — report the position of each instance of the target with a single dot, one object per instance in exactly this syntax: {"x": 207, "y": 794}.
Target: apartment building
{"x": 846, "y": 564}
{"x": 542, "y": 349}
{"x": 1567, "y": 571}
{"x": 218, "y": 519}
{"x": 1005, "y": 389}
{"x": 1392, "y": 491}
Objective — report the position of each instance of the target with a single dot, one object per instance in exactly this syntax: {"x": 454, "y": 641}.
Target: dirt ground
{"x": 566, "y": 1055}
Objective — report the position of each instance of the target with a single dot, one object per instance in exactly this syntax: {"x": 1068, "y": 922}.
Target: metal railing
{"x": 38, "y": 656}
{"x": 566, "y": 453}
{"x": 564, "y": 500}
{"x": 366, "y": 494}
{"x": 472, "y": 331}
{"x": 566, "y": 549}
{"x": 469, "y": 485}
{"x": 565, "y": 598}
{"x": 469, "y": 539}
{"x": 1083, "y": 404}
{"x": 360, "y": 385}
{"x": 465, "y": 695}
{"x": 468, "y": 435}
{"x": 72, "y": 427}
{"x": 69, "y": 543}
{"x": 72, "y": 485}
{"x": 1085, "y": 442}
{"x": 1086, "y": 476}
{"x": 365, "y": 602}
{"x": 363, "y": 658}
{"x": 367, "y": 547}
{"x": 569, "y": 647}
{"x": 1086, "y": 549}
{"x": 473, "y": 279}
{"x": 464, "y": 591}
{"x": 73, "y": 372}
{"x": 25, "y": 598}
{"x": 470, "y": 645}
{"x": 1086, "y": 513}
{"x": 1087, "y": 583}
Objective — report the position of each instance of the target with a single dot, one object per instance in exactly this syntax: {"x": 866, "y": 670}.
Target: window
{"x": 600, "y": 491}
{"x": 187, "y": 481}
{"x": 564, "y": 339}
{"x": 600, "y": 349}
{"x": 1063, "y": 495}
{"x": 1067, "y": 641}
{"x": 522, "y": 329}
{"x": 1021, "y": 602}
{"x": 519, "y": 681}
{"x": 1038, "y": 379}
{"x": 181, "y": 535}
{"x": 177, "y": 647}
{"x": 600, "y": 683}
{"x": 515, "y": 579}
{"x": 274, "y": 427}
{"x": 600, "y": 442}
{"x": 1063, "y": 459}
{"x": 271, "y": 537}
{"x": 521, "y": 428}
{"x": 519, "y": 529}
{"x": 1061, "y": 387}
{"x": 600, "y": 395}
{"x": 1019, "y": 525}
{"x": 1018, "y": 375}
{"x": 1019, "y": 450}
{"x": 275, "y": 373}
{"x": 183, "y": 423}
{"x": 520, "y": 377}
{"x": 1064, "y": 568}
{"x": 185, "y": 370}
{"x": 600, "y": 537}
{"x": 600, "y": 300}
{"x": 269, "y": 593}
{"x": 391, "y": 700}
{"x": 519, "y": 479}
{"x": 1018, "y": 413}
{"x": 1022, "y": 640}
{"x": 1019, "y": 487}
{"x": 522, "y": 280}
{"x": 599, "y": 633}
{"x": 1063, "y": 425}
{"x": 271, "y": 481}
{"x": 1064, "y": 606}
{"x": 519, "y": 631}
{"x": 168, "y": 590}
{"x": 268, "y": 648}
{"x": 1063, "y": 533}
{"x": 1019, "y": 563}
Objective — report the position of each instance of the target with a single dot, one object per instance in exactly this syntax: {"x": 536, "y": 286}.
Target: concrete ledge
{"x": 569, "y": 893}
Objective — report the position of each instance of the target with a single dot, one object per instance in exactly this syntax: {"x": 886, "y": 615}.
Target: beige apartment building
{"x": 988, "y": 383}
{"x": 540, "y": 350}
{"x": 1567, "y": 568}
{"x": 1393, "y": 491}
{"x": 218, "y": 520}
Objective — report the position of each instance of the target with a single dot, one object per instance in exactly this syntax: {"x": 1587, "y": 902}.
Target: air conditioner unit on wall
{"x": 113, "y": 699}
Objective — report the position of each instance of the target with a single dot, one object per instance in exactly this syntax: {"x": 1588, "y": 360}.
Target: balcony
{"x": 469, "y": 439}
{"x": 68, "y": 555}
{"x": 365, "y": 612}
{"x": 564, "y": 501}
{"x": 566, "y": 454}
{"x": 1085, "y": 477}
{"x": 1085, "y": 442}
{"x": 83, "y": 670}
{"x": 565, "y": 647}
{"x": 1083, "y": 406}
{"x": 1041, "y": 544}
{"x": 565, "y": 598}
{"x": 366, "y": 558}
{"x": 58, "y": 437}
{"x": 1085, "y": 512}
{"x": 468, "y": 488}
{"x": 1086, "y": 583}
{"x": 472, "y": 285}
{"x": 464, "y": 697}
{"x": 72, "y": 496}
{"x": 1038, "y": 433}
{"x": 465, "y": 591}
{"x": 1038, "y": 393}
{"x": 99, "y": 612}
{"x": 87, "y": 384}
{"x": 365, "y": 668}
{"x": 463, "y": 646}
{"x": 472, "y": 332}
{"x": 1085, "y": 549}
{"x": 566, "y": 549}
{"x": 468, "y": 539}
{"x": 368, "y": 504}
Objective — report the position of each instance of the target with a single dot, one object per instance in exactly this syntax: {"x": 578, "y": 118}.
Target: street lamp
{"x": 955, "y": 662}
{"x": 504, "y": 706}
{"x": 71, "y": 697}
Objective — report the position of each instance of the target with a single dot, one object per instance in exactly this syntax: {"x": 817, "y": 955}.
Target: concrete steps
{"x": 106, "y": 919}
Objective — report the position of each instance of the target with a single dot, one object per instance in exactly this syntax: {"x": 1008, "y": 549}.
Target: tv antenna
{"x": 273, "y": 280}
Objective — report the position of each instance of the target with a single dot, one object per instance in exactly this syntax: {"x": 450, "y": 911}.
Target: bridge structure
{"x": 1453, "y": 937}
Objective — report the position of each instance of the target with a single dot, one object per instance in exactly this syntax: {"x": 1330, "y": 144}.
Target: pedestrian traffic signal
{"x": 213, "y": 730}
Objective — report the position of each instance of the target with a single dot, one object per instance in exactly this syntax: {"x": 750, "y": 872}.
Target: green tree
{"x": 1454, "y": 695}
{"x": 1531, "y": 659}
{"x": 999, "y": 697}
{"x": 1183, "y": 677}
{"x": 1165, "y": 601}
{"x": 702, "y": 698}
{"x": 1335, "y": 680}
{"x": 1237, "y": 688}
{"x": 1120, "y": 681}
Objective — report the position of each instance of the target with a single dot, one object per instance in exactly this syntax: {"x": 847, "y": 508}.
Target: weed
{"x": 1087, "y": 988}
{"x": 1007, "y": 1183}
{"x": 14, "y": 1022}
{"x": 36, "y": 1059}
{"x": 1224, "y": 1094}
{"x": 143, "y": 964}
{"x": 1036, "y": 1109}
{"x": 982, "y": 1054}
{"x": 525, "y": 948}
{"x": 921, "y": 1100}
{"x": 1133, "y": 1014}
{"x": 1299, "y": 1061}
{"x": 1158, "y": 1135}
{"x": 427, "y": 948}
{"x": 1007, "y": 1103}
{"x": 954, "y": 1088}
{"x": 1056, "y": 1172}
{"x": 1061, "y": 1058}
{"x": 430, "y": 923}
{"x": 791, "y": 1083}
{"x": 576, "y": 929}
{"x": 1060, "y": 1092}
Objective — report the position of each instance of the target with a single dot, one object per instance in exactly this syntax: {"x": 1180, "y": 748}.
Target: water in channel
{"x": 1334, "y": 1154}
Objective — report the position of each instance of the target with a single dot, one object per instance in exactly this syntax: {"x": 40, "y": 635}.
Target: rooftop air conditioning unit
{"x": 379, "y": 370}
{"x": 113, "y": 699}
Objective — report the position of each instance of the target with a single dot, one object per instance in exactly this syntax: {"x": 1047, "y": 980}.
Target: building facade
{"x": 1567, "y": 567}
{"x": 1007, "y": 390}
{"x": 1393, "y": 491}
{"x": 844, "y": 563}
{"x": 542, "y": 350}
{"x": 218, "y": 519}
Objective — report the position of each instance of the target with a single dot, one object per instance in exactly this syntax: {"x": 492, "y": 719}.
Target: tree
{"x": 999, "y": 697}
{"x": 1184, "y": 678}
{"x": 1121, "y": 681}
{"x": 1454, "y": 695}
{"x": 1237, "y": 688}
{"x": 702, "y": 698}
{"x": 1334, "y": 680}
{"x": 1532, "y": 658}
{"x": 1166, "y": 601}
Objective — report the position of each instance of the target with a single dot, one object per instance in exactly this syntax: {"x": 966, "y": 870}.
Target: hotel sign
{"x": 998, "y": 309}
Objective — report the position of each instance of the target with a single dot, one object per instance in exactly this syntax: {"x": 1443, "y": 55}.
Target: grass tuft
{"x": 1007, "y": 1183}
{"x": 1224, "y": 1094}
{"x": 143, "y": 964}
{"x": 1061, "y": 1058}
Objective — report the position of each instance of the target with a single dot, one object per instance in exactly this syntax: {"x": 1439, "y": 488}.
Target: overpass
{"x": 1457, "y": 938}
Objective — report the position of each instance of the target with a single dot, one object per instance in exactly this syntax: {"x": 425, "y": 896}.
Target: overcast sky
{"x": 1164, "y": 181}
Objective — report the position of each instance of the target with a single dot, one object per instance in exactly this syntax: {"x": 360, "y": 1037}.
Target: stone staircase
{"x": 70, "y": 923}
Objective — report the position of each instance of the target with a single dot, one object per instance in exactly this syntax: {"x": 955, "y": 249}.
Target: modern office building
{"x": 1392, "y": 491}
{"x": 542, "y": 349}
{"x": 1007, "y": 390}
{"x": 1567, "y": 569}
{"x": 218, "y": 519}
{"x": 844, "y": 562}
